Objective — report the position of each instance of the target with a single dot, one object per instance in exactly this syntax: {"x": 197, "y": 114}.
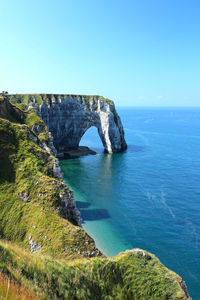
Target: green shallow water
{"x": 95, "y": 219}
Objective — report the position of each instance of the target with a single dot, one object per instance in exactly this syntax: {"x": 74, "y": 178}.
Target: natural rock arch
{"x": 68, "y": 118}
{"x": 94, "y": 137}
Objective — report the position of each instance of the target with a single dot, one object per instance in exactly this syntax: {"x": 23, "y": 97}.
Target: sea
{"x": 148, "y": 196}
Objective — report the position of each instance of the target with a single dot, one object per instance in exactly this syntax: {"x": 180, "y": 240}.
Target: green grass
{"x": 61, "y": 269}
{"x": 130, "y": 275}
{"x": 26, "y": 168}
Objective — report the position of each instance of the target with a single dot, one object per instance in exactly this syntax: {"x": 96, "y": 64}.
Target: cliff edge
{"x": 68, "y": 117}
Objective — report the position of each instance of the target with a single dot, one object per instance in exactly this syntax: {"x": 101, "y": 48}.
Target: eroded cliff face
{"x": 38, "y": 210}
{"x": 34, "y": 198}
{"x": 68, "y": 118}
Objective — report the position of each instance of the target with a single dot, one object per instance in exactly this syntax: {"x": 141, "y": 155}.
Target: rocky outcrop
{"x": 10, "y": 112}
{"x": 67, "y": 208}
{"x": 47, "y": 154}
{"x": 69, "y": 117}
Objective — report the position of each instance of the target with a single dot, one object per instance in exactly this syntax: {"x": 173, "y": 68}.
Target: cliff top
{"x": 45, "y": 98}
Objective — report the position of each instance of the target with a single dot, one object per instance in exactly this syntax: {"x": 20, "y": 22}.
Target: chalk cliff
{"x": 68, "y": 117}
{"x": 67, "y": 265}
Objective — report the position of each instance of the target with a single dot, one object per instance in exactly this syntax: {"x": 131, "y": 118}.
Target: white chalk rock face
{"x": 70, "y": 117}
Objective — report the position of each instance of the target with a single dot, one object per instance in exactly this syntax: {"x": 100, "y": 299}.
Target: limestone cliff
{"x": 68, "y": 117}
{"x": 67, "y": 265}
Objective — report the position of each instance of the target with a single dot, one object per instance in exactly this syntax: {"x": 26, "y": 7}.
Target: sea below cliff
{"x": 147, "y": 197}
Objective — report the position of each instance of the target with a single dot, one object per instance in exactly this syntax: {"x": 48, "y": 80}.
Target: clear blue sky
{"x": 144, "y": 52}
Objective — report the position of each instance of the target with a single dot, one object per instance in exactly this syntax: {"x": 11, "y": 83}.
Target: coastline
{"x": 96, "y": 228}
{"x": 110, "y": 244}
{"x": 50, "y": 218}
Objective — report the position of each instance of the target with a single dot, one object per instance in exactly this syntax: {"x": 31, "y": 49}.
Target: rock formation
{"x": 33, "y": 201}
{"x": 69, "y": 117}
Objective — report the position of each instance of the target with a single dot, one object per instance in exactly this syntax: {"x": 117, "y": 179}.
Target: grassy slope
{"x": 52, "y": 272}
{"x": 26, "y": 168}
{"x": 10, "y": 112}
{"x": 130, "y": 275}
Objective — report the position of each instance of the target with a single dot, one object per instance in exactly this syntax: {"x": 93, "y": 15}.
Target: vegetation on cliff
{"x": 131, "y": 275}
{"x": 30, "y": 197}
{"x": 46, "y": 256}
{"x": 45, "y": 98}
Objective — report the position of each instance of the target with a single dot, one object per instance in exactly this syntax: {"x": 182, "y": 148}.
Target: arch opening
{"x": 92, "y": 140}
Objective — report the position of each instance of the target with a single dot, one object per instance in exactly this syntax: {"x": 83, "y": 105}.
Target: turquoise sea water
{"x": 149, "y": 196}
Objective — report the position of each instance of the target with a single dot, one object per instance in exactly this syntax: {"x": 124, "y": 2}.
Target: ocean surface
{"x": 149, "y": 196}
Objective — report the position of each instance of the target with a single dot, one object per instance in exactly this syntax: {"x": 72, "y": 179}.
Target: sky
{"x": 137, "y": 53}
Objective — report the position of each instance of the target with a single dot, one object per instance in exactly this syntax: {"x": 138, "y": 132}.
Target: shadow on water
{"x": 91, "y": 214}
{"x": 94, "y": 174}
{"x": 94, "y": 214}
{"x": 135, "y": 148}
{"x": 81, "y": 204}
